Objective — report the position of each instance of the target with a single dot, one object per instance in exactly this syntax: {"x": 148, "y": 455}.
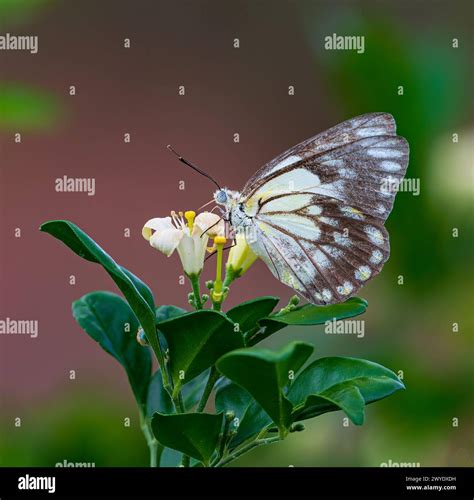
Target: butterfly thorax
{"x": 234, "y": 209}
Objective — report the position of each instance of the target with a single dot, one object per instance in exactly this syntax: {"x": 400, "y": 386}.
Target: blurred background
{"x": 419, "y": 322}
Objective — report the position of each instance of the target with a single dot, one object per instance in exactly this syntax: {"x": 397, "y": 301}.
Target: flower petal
{"x": 166, "y": 241}
{"x": 155, "y": 225}
{"x": 210, "y": 222}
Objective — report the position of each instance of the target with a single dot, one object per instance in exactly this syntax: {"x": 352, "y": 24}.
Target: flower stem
{"x": 217, "y": 294}
{"x": 246, "y": 448}
{"x": 196, "y": 291}
{"x": 213, "y": 376}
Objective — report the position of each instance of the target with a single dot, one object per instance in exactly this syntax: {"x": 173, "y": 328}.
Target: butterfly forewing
{"x": 318, "y": 209}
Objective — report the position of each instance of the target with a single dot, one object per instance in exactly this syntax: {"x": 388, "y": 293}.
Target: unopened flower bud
{"x": 141, "y": 337}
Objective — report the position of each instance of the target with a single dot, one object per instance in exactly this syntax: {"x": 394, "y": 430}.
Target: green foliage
{"x": 247, "y": 314}
{"x": 307, "y": 315}
{"x": 138, "y": 295}
{"x": 251, "y": 418}
{"x": 167, "y": 312}
{"x": 262, "y": 388}
{"x": 108, "y": 319}
{"x": 341, "y": 383}
{"x": 196, "y": 341}
{"x": 195, "y": 434}
{"x": 264, "y": 374}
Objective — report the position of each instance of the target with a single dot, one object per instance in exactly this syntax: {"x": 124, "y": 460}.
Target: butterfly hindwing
{"x": 325, "y": 257}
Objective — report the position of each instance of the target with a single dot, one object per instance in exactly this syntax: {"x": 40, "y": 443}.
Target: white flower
{"x": 188, "y": 235}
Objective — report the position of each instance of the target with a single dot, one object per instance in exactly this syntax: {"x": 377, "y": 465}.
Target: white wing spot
{"x": 347, "y": 173}
{"x": 352, "y": 213}
{"x": 375, "y": 236}
{"x": 376, "y": 257}
{"x": 332, "y": 251}
{"x": 334, "y": 163}
{"x": 345, "y": 289}
{"x": 363, "y": 273}
{"x": 370, "y": 131}
{"x": 313, "y": 210}
{"x": 319, "y": 257}
{"x": 329, "y": 221}
{"x": 342, "y": 240}
{"x": 327, "y": 294}
{"x": 390, "y": 166}
{"x": 384, "y": 153}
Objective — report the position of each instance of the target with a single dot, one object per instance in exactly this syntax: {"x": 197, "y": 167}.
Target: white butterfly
{"x": 315, "y": 214}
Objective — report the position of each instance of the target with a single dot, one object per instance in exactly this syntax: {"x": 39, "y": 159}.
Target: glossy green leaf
{"x": 248, "y": 313}
{"x": 108, "y": 319}
{"x": 166, "y": 312}
{"x": 309, "y": 314}
{"x": 158, "y": 399}
{"x": 264, "y": 374}
{"x": 251, "y": 416}
{"x": 196, "y": 341}
{"x": 345, "y": 397}
{"x": 332, "y": 377}
{"x": 138, "y": 295}
{"x": 194, "y": 434}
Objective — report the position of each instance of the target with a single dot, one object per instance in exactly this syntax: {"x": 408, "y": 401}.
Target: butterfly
{"x": 315, "y": 214}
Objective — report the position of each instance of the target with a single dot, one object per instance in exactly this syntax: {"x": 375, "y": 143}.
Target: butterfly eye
{"x": 221, "y": 196}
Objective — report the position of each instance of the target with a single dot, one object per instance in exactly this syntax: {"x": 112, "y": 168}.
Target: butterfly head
{"x": 225, "y": 196}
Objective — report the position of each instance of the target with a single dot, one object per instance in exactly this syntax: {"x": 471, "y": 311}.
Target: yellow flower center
{"x": 190, "y": 215}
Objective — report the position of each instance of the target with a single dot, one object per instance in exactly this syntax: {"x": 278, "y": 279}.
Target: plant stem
{"x": 153, "y": 445}
{"x": 247, "y": 448}
{"x": 213, "y": 376}
{"x": 178, "y": 402}
{"x": 196, "y": 291}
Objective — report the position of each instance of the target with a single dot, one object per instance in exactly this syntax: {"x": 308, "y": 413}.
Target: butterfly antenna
{"x": 189, "y": 164}
{"x": 206, "y": 204}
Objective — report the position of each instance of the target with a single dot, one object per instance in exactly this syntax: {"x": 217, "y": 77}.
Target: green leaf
{"x": 138, "y": 295}
{"x": 196, "y": 341}
{"x": 251, "y": 416}
{"x": 166, "y": 312}
{"x": 170, "y": 458}
{"x": 194, "y": 434}
{"x": 158, "y": 398}
{"x": 192, "y": 390}
{"x": 160, "y": 401}
{"x": 331, "y": 378}
{"x": 309, "y": 314}
{"x": 345, "y": 397}
{"x": 108, "y": 319}
{"x": 248, "y": 313}
{"x": 264, "y": 374}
